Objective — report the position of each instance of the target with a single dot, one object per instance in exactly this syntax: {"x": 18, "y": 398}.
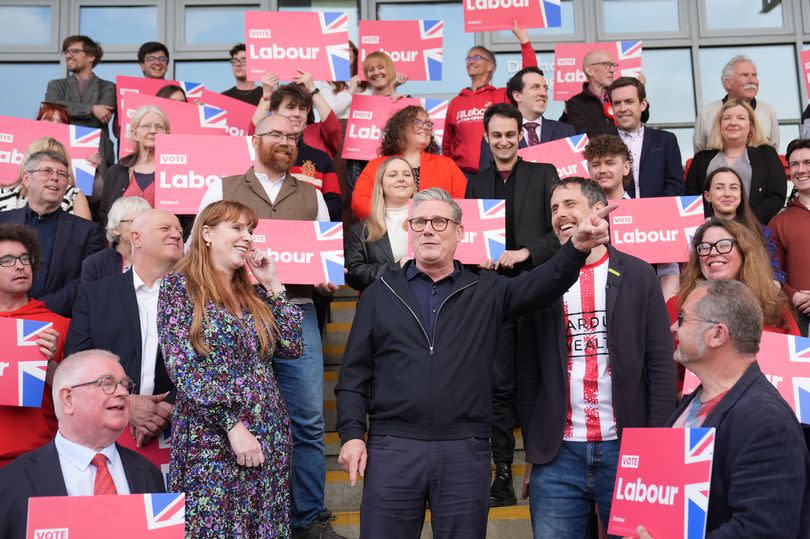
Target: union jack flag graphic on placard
{"x": 339, "y": 61}
{"x": 491, "y": 208}
{"x": 194, "y": 90}
{"x": 690, "y": 205}
{"x": 495, "y": 243}
{"x": 333, "y": 22}
{"x": 565, "y": 154}
{"x": 164, "y": 510}
{"x": 332, "y": 261}
{"x": 628, "y": 54}
{"x": 305, "y": 252}
{"x": 577, "y": 143}
{"x": 84, "y": 137}
{"x": 84, "y": 172}
{"x": 552, "y": 13}
{"x": 429, "y": 29}
{"x": 214, "y": 117}
{"x": 437, "y": 112}
{"x": 22, "y": 365}
{"x": 433, "y": 63}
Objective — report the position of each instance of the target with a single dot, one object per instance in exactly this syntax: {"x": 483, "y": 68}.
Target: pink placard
{"x": 147, "y": 516}
{"x": 367, "y": 117}
{"x": 184, "y": 118}
{"x": 437, "y": 112}
{"x": 22, "y": 365}
{"x": 239, "y": 114}
{"x": 125, "y": 85}
{"x": 805, "y": 58}
{"x": 565, "y": 154}
{"x": 414, "y": 46}
{"x": 185, "y": 165}
{"x": 292, "y": 41}
{"x": 487, "y": 15}
{"x": 662, "y": 482}
{"x": 306, "y": 252}
{"x": 785, "y": 361}
{"x": 16, "y": 134}
{"x": 155, "y": 450}
{"x": 569, "y": 75}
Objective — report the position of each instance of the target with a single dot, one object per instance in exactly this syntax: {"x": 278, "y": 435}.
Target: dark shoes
{"x": 502, "y": 493}
{"x": 320, "y": 529}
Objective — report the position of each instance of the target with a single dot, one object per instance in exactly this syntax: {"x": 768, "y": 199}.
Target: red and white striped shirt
{"x": 589, "y": 416}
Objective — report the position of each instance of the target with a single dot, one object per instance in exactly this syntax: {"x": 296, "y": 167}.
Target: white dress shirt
{"x": 397, "y": 233}
{"x": 633, "y": 141}
{"x": 77, "y": 471}
{"x": 147, "y": 314}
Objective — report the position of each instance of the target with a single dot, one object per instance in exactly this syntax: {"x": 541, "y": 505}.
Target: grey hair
{"x": 437, "y": 193}
{"x": 728, "y": 69}
{"x": 123, "y": 208}
{"x": 34, "y": 159}
{"x": 591, "y": 189}
{"x": 70, "y": 369}
{"x": 733, "y": 304}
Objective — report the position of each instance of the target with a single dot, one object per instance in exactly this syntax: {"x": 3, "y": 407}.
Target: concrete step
{"x": 342, "y": 311}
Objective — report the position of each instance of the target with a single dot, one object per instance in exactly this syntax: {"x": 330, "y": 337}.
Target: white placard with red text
{"x": 663, "y": 479}
{"x": 155, "y": 450}
{"x": 22, "y": 365}
{"x": 125, "y": 85}
{"x": 367, "y": 117}
{"x": 305, "y": 252}
{"x": 185, "y": 165}
{"x": 288, "y": 42}
{"x": 565, "y": 154}
{"x": 568, "y": 70}
{"x": 81, "y": 142}
{"x": 414, "y": 46}
{"x": 785, "y": 362}
{"x": 656, "y": 229}
{"x": 487, "y": 15}
{"x": 805, "y": 59}
{"x": 145, "y": 516}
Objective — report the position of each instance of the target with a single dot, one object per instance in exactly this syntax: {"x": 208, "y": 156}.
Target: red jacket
{"x": 790, "y": 233}
{"x": 325, "y": 135}
{"x": 464, "y": 126}
{"x": 25, "y": 429}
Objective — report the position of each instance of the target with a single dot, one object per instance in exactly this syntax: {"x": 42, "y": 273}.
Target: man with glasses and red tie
{"x": 153, "y": 58}
{"x": 91, "y": 398}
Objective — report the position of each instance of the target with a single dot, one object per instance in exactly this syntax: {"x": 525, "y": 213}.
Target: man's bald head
{"x": 274, "y": 122}
{"x": 599, "y": 67}
{"x": 156, "y": 241}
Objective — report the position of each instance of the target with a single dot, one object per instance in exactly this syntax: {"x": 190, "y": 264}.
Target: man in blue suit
{"x": 528, "y": 91}
{"x": 657, "y": 166}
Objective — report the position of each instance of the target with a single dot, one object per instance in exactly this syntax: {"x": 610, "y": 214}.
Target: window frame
{"x": 602, "y": 34}
{"x": 787, "y": 29}
{"x": 37, "y": 53}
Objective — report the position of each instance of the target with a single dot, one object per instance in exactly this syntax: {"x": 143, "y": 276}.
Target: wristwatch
{"x": 315, "y": 91}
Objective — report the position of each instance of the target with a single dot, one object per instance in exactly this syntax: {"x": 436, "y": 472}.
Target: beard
{"x": 277, "y": 157}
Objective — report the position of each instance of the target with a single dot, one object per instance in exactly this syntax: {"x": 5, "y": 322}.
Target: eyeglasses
{"x": 72, "y": 52}
{"x": 9, "y": 261}
{"x": 108, "y": 384}
{"x": 48, "y": 172}
{"x": 238, "y": 61}
{"x": 419, "y": 124}
{"x": 439, "y": 224}
{"x": 157, "y": 59}
{"x": 158, "y": 128}
{"x": 278, "y": 136}
{"x": 477, "y": 58}
{"x": 722, "y": 247}
{"x": 606, "y": 65}
{"x": 683, "y": 318}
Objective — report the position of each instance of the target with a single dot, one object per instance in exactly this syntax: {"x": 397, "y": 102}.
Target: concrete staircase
{"x": 344, "y": 500}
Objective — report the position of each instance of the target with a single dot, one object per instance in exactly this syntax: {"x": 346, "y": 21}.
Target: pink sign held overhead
{"x": 239, "y": 114}
{"x": 291, "y": 41}
{"x": 565, "y": 154}
{"x": 305, "y": 252}
{"x": 125, "y": 85}
{"x": 656, "y": 229}
{"x": 367, "y": 117}
{"x": 805, "y": 58}
{"x": 22, "y": 365}
{"x": 414, "y": 46}
{"x": 487, "y": 15}
{"x": 662, "y": 482}
{"x": 569, "y": 75}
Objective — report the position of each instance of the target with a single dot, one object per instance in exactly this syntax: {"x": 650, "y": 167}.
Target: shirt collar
{"x": 411, "y": 272}
{"x": 43, "y": 217}
{"x": 632, "y": 134}
{"x": 137, "y": 282}
{"x": 80, "y": 456}
{"x": 264, "y": 178}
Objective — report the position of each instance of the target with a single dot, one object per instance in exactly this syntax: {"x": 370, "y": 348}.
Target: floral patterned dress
{"x": 233, "y": 383}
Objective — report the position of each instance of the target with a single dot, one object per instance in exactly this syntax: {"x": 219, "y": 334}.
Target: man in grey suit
{"x": 90, "y": 100}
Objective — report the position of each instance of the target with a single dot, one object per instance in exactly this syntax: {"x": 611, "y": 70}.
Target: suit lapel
{"x": 64, "y": 230}
{"x": 133, "y": 320}
{"x": 135, "y": 472}
{"x": 545, "y": 132}
{"x": 614, "y": 277}
{"x": 385, "y": 246}
{"x": 288, "y": 188}
{"x": 521, "y": 187}
{"x": 45, "y": 472}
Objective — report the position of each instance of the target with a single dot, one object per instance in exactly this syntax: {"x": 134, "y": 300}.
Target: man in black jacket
{"x": 419, "y": 362}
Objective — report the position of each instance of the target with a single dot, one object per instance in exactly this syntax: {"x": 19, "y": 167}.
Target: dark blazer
{"x": 76, "y": 239}
{"x": 39, "y": 473}
{"x": 640, "y": 346}
{"x": 768, "y": 180}
{"x": 660, "y": 168}
{"x": 549, "y": 130}
{"x": 105, "y": 263}
{"x": 761, "y": 466}
{"x": 105, "y": 316}
{"x": 586, "y": 113}
{"x": 116, "y": 181}
{"x": 531, "y": 206}
{"x": 365, "y": 261}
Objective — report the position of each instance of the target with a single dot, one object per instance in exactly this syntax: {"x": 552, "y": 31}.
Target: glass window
{"x": 130, "y": 25}
{"x": 216, "y": 24}
{"x": 734, "y": 14}
{"x": 776, "y": 66}
{"x": 109, "y": 70}
{"x": 349, "y": 6}
{"x": 216, "y": 75}
{"x": 22, "y": 98}
{"x": 670, "y": 89}
{"x": 511, "y": 63}
{"x": 786, "y": 134}
{"x": 25, "y": 25}
{"x": 684, "y": 136}
{"x": 568, "y": 26}
{"x": 456, "y": 45}
{"x": 634, "y": 16}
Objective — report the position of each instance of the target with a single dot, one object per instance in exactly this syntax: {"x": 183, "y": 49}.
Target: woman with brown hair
{"x": 231, "y": 438}
{"x": 409, "y": 134}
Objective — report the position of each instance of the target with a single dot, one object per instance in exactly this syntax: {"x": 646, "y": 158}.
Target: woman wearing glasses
{"x": 231, "y": 438}
{"x": 409, "y": 134}
{"x": 134, "y": 175}
{"x": 380, "y": 241}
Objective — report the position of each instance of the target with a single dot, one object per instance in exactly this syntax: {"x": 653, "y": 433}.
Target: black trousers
{"x": 503, "y": 394}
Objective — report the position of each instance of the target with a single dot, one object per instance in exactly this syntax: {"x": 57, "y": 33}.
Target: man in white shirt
{"x": 91, "y": 396}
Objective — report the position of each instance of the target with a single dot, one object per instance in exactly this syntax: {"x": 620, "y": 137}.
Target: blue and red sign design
{"x": 487, "y": 15}
{"x": 565, "y": 154}
{"x": 662, "y": 482}
{"x": 415, "y": 47}
{"x": 22, "y": 365}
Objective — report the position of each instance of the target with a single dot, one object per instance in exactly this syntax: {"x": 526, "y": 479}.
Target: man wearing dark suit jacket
{"x": 528, "y": 91}
{"x": 119, "y": 314}
{"x": 90, "y": 393}
{"x": 66, "y": 240}
{"x": 759, "y": 484}
{"x": 657, "y": 166}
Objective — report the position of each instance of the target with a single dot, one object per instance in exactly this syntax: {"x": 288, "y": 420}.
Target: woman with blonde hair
{"x": 738, "y": 143}
{"x": 231, "y": 439}
{"x": 14, "y": 195}
{"x": 134, "y": 175}
{"x": 374, "y": 245}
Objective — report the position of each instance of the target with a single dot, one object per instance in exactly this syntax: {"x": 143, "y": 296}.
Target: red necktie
{"x": 103, "y": 484}
{"x": 531, "y": 133}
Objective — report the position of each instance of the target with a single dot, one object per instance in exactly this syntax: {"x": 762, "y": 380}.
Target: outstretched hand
{"x": 593, "y": 231}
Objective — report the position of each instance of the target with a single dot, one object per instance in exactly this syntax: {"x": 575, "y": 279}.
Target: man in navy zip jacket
{"x": 418, "y": 362}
